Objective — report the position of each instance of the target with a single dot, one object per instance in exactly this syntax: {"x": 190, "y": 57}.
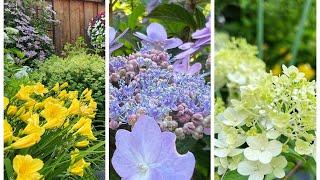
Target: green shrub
{"x": 79, "y": 69}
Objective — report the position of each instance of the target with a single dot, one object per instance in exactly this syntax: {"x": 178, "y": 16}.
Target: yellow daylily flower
{"x": 92, "y": 105}
{"x": 33, "y": 126}
{"x": 27, "y": 168}
{"x": 26, "y": 141}
{"x": 55, "y": 115}
{"x": 39, "y": 89}
{"x": 24, "y": 93}
{"x": 5, "y": 102}
{"x": 73, "y": 95}
{"x": 88, "y": 95}
{"x": 30, "y": 104}
{"x": 85, "y": 92}
{"x": 82, "y": 144}
{"x": 21, "y": 111}
{"x": 52, "y": 100}
{"x": 308, "y": 71}
{"x": 87, "y": 111}
{"x": 56, "y": 87}
{"x": 83, "y": 127}
{"x": 78, "y": 167}
{"x": 63, "y": 94}
{"x": 12, "y": 110}
{"x": 8, "y": 133}
{"x": 74, "y": 108}
{"x": 64, "y": 85}
{"x": 24, "y": 117}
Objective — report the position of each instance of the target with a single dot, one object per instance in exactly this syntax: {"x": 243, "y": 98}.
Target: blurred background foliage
{"x": 287, "y": 30}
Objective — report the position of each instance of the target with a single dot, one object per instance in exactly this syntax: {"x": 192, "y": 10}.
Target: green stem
{"x": 260, "y": 27}
{"x": 297, "y": 40}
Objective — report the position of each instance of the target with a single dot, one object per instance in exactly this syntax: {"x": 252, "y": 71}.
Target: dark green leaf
{"x": 174, "y": 13}
{"x": 200, "y": 18}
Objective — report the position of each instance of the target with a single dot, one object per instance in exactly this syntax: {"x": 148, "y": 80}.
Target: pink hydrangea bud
{"x": 113, "y": 124}
{"x": 114, "y": 77}
{"x": 132, "y": 119}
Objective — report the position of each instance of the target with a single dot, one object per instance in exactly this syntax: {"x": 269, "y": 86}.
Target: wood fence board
{"x": 57, "y": 6}
{"x": 101, "y": 8}
{"x": 75, "y": 25}
{"x": 74, "y": 17}
{"x": 65, "y": 22}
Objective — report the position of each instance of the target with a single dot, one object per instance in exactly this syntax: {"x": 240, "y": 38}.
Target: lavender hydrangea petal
{"x": 112, "y": 34}
{"x": 156, "y": 32}
{"x": 174, "y": 165}
{"x": 203, "y": 33}
{"x": 186, "y": 46}
{"x": 115, "y": 46}
{"x": 173, "y": 43}
{"x": 141, "y": 36}
{"x": 147, "y": 134}
{"x": 195, "y": 68}
{"x": 187, "y": 53}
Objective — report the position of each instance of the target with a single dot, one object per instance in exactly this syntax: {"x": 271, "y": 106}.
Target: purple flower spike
{"x": 157, "y": 37}
{"x": 113, "y": 40}
{"x": 146, "y": 153}
{"x": 202, "y": 37}
{"x": 184, "y": 66}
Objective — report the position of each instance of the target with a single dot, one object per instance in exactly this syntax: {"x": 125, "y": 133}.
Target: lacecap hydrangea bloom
{"x": 272, "y": 117}
{"x": 145, "y": 83}
{"x": 147, "y": 153}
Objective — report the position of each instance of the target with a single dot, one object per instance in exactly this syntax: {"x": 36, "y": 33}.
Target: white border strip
{"x": 317, "y": 91}
{"x": 1, "y": 87}
{"x": 107, "y": 55}
{"x": 212, "y": 89}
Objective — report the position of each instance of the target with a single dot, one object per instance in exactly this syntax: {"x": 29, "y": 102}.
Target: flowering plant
{"x": 177, "y": 97}
{"x": 269, "y": 125}
{"x": 33, "y": 44}
{"x": 96, "y": 32}
{"x": 48, "y": 133}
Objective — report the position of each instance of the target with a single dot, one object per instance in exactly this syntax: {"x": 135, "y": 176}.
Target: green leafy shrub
{"x": 78, "y": 68}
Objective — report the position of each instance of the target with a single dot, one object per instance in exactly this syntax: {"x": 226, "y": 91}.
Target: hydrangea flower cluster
{"x": 146, "y": 84}
{"x": 96, "y": 31}
{"x": 33, "y": 44}
{"x": 236, "y": 65}
{"x": 273, "y": 116}
{"x": 51, "y": 125}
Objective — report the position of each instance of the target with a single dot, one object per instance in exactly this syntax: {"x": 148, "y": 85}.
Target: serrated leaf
{"x": 173, "y": 12}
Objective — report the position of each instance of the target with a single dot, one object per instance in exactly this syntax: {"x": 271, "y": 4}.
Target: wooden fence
{"x": 74, "y": 17}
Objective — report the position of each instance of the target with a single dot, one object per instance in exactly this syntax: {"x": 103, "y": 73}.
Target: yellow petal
{"x": 5, "y": 102}
{"x": 12, "y": 110}
{"x": 82, "y": 144}
{"x": 8, "y": 134}
{"x": 26, "y": 141}
{"x": 27, "y": 168}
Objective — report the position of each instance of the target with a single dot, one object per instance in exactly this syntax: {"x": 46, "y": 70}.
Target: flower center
{"x": 143, "y": 168}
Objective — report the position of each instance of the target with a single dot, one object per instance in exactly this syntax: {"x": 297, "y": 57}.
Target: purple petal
{"x": 112, "y": 34}
{"x": 187, "y": 53}
{"x": 182, "y": 65}
{"x": 147, "y": 134}
{"x": 141, "y": 36}
{"x": 205, "y": 32}
{"x": 186, "y": 46}
{"x": 173, "y": 165}
{"x": 114, "y": 47}
{"x": 201, "y": 42}
{"x": 156, "y": 32}
{"x": 173, "y": 43}
{"x": 125, "y": 157}
{"x": 195, "y": 68}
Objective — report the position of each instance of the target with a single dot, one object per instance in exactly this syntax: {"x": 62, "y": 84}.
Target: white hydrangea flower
{"x": 260, "y": 149}
{"x": 226, "y": 144}
{"x": 278, "y": 164}
{"x": 254, "y": 169}
{"x": 232, "y": 117}
{"x": 223, "y": 164}
{"x": 303, "y": 148}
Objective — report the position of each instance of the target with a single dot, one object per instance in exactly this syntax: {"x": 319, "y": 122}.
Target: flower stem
{"x": 293, "y": 171}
